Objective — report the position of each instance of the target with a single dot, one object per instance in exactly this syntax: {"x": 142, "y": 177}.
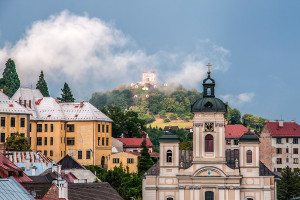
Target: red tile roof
{"x": 289, "y": 129}
{"x": 235, "y": 131}
{"x": 135, "y": 142}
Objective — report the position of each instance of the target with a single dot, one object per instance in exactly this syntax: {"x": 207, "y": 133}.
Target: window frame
{"x": 249, "y": 157}
{"x": 209, "y": 143}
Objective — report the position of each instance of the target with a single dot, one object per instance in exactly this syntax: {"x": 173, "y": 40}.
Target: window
{"x": 70, "y": 141}
{"x": 99, "y": 127}
{"x": 22, "y": 122}
{"x": 287, "y": 150}
{"x": 30, "y": 127}
{"x": 79, "y": 155}
{"x": 39, "y": 141}
{"x": 295, "y": 150}
{"x": 22, "y": 134}
{"x": 45, "y": 152}
{"x": 129, "y": 160}
{"x": 278, "y": 141}
{"x": 209, "y": 195}
{"x": 30, "y": 140}
{"x": 70, "y": 127}
{"x": 169, "y": 156}
{"x": 2, "y": 139}
{"x": 12, "y": 122}
{"x": 287, "y": 140}
{"x": 228, "y": 142}
{"x": 249, "y": 156}
{"x": 103, "y": 161}
{"x": 103, "y": 127}
{"x": 51, "y": 140}
{"x": 107, "y": 140}
{"x": 279, "y": 151}
{"x": 209, "y": 143}
{"x": 45, "y": 140}
{"x": 236, "y": 142}
{"x": 88, "y": 154}
{"x": 51, "y": 153}
{"x": 51, "y": 127}
{"x": 295, "y": 140}
{"x": 279, "y": 169}
{"x": 46, "y": 127}
{"x": 102, "y": 141}
{"x": 287, "y": 160}
{"x": 39, "y": 127}
{"x": 296, "y": 161}
{"x": 107, "y": 128}
{"x": 3, "y": 121}
{"x": 169, "y": 198}
{"x": 279, "y": 161}
{"x": 99, "y": 139}
{"x": 116, "y": 160}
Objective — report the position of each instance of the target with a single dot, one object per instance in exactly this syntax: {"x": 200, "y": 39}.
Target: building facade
{"x": 210, "y": 174}
{"x": 280, "y": 145}
{"x": 77, "y": 129}
{"x": 127, "y": 160}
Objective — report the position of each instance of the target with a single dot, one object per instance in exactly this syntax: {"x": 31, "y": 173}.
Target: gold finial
{"x": 209, "y": 67}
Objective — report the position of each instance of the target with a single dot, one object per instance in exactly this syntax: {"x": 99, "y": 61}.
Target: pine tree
{"x": 66, "y": 95}
{"x": 289, "y": 184}
{"x": 10, "y": 81}
{"x": 42, "y": 85}
{"x": 145, "y": 161}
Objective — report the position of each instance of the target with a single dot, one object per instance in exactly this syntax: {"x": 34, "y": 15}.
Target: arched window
{"x": 248, "y": 198}
{"x": 102, "y": 161}
{"x": 209, "y": 143}
{"x": 209, "y": 195}
{"x": 169, "y": 156}
{"x": 249, "y": 156}
{"x": 169, "y": 198}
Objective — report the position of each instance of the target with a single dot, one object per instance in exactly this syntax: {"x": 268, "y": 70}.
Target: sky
{"x": 97, "y": 45}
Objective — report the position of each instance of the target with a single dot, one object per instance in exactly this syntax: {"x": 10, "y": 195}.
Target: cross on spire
{"x": 209, "y": 67}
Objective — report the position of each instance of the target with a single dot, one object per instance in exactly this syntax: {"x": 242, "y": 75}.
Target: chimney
{"x": 280, "y": 123}
{"x": 81, "y": 104}
{"x": 33, "y": 170}
{"x": 29, "y": 105}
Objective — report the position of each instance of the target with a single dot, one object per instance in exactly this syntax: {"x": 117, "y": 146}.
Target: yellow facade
{"x": 128, "y": 160}
{"x": 89, "y": 142}
{"x": 13, "y": 123}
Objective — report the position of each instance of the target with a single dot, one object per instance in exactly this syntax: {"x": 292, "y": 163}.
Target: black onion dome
{"x": 209, "y": 104}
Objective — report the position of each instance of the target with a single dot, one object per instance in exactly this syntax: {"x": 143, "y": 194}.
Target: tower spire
{"x": 209, "y": 84}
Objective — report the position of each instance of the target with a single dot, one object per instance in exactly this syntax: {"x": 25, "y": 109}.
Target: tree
{"x": 66, "y": 95}
{"x": 289, "y": 184}
{"x": 254, "y": 122}
{"x": 10, "y": 81}
{"x": 145, "y": 161}
{"x": 17, "y": 142}
{"x": 42, "y": 85}
{"x": 233, "y": 116}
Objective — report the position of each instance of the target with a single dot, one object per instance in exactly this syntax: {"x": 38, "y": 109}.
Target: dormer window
{"x": 169, "y": 156}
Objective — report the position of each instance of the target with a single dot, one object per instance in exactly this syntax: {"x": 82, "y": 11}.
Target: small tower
{"x": 249, "y": 154}
{"x": 169, "y": 155}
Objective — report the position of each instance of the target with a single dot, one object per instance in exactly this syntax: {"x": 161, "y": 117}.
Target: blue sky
{"x": 253, "y": 45}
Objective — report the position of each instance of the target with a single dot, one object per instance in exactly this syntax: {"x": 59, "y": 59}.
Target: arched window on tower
{"x": 209, "y": 143}
{"x": 169, "y": 156}
{"x": 249, "y": 156}
{"x": 170, "y": 198}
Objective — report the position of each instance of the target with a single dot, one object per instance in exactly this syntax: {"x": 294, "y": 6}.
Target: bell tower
{"x": 209, "y": 125}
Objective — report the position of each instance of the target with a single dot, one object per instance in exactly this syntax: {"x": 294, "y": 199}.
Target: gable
{"x": 209, "y": 172}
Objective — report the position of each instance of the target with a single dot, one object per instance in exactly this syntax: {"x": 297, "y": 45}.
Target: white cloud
{"x": 92, "y": 55}
{"x": 238, "y": 100}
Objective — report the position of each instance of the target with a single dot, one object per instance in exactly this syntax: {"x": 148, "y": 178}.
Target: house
{"x": 117, "y": 146}
{"x": 57, "y": 129}
{"x": 279, "y": 145}
{"x": 232, "y": 135}
{"x": 43, "y": 191}
{"x": 211, "y": 173}
{"x": 10, "y": 189}
{"x": 135, "y": 144}
{"x": 128, "y": 160}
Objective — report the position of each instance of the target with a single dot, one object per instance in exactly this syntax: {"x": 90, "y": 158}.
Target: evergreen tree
{"x": 42, "y": 85}
{"x": 289, "y": 184}
{"x": 66, "y": 95}
{"x": 145, "y": 161}
{"x": 10, "y": 81}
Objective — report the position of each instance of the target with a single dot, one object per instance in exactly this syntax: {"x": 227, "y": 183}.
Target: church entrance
{"x": 209, "y": 195}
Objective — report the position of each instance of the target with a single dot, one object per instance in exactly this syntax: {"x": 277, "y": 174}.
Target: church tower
{"x": 209, "y": 125}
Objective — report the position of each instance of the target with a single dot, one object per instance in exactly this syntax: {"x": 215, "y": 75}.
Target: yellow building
{"x": 128, "y": 161}
{"x": 77, "y": 129}
{"x": 14, "y": 118}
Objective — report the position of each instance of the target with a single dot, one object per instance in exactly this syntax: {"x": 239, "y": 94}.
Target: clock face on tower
{"x": 209, "y": 127}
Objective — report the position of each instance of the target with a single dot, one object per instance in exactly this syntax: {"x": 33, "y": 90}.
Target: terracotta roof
{"x": 92, "y": 191}
{"x": 289, "y": 129}
{"x": 135, "y": 142}
{"x": 235, "y": 131}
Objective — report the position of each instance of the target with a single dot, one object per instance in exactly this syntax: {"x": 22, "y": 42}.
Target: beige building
{"x": 77, "y": 129}
{"x": 279, "y": 145}
{"x": 127, "y": 160}
{"x": 209, "y": 173}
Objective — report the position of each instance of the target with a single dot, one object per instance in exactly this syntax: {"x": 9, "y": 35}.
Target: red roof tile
{"x": 289, "y": 129}
{"x": 235, "y": 131}
{"x": 135, "y": 142}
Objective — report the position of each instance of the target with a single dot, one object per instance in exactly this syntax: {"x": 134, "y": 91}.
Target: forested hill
{"x": 165, "y": 104}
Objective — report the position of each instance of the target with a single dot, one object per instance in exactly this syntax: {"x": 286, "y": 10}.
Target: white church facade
{"x": 209, "y": 172}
